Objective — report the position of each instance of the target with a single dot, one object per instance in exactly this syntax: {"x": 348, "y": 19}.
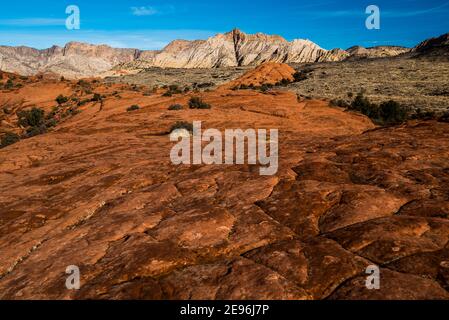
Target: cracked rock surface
{"x": 101, "y": 193}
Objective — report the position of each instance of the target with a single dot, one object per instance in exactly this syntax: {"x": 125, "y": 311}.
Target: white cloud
{"x": 143, "y": 11}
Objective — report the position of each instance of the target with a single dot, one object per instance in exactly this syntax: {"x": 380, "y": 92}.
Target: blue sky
{"x": 148, "y": 24}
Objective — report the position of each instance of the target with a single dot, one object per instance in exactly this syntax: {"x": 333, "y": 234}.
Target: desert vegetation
{"x": 181, "y": 125}
{"x": 9, "y": 138}
{"x": 197, "y": 103}
{"x": 175, "y": 107}
{"x": 133, "y": 108}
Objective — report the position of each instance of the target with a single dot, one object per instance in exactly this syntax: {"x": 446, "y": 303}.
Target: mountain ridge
{"x": 230, "y": 49}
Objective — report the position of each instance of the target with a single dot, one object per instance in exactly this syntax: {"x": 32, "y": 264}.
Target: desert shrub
{"x": 36, "y": 130}
{"x": 363, "y": 105}
{"x": 35, "y": 122}
{"x": 9, "y": 84}
{"x": 197, "y": 103}
{"x": 51, "y": 123}
{"x": 69, "y": 113}
{"x": 387, "y": 113}
{"x": 423, "y": 115}
{"x": 391, "y": 112}
{"x": 172, "y": 89}
{"x": 187, "y": 89}
{"x": 61, "y": 99}
{"x": 264, "y": 88}
{"x": 8, "y": 138}
{"x": 83, "y": 102}
{"x": 175, "y": 107}
{"x": 299, "y": 76}
{"x": 205, "y": 85}
{"x": 133, "y": 108}
{"x": 339, "y": 103}
{"x": 182, "y": 125}
{"x": 96, "y": 97}
{"x": 444, "y": 117}
{"x": 283, "y": 82}
{"x": 31, "y": 118}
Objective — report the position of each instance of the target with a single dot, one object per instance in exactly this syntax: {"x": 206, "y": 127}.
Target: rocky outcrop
{"x": 268, "y": 73}
{"x": 435, "y": 47}
{"x": 358, "y": 52}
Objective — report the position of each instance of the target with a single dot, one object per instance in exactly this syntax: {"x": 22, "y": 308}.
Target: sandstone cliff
{"x": 235, "y": 48}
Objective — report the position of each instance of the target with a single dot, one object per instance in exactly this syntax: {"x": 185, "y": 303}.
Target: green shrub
{"x": 31, "y": 118}
{"x": 283, "y": 82}
{"x": 391, "y": 112}
{"x": 172, "y": 89}
{"x": 133, "y": 108}
{"x": 205, "y": 85}
{"x": 9, "y": 84}
{"x": 35, "y": 131}
{"x": 264, "y": 88}
{"x": 197, "y": 103}
{"x": 182, "y": 125}
{"x": 83, "y": 102}
{"x": 61, "y": 99}
{"x": 339, "y": 103}
{"x": 300, "y": 76}
{"x": 363, "y": 105}
{"x": 8, "y": 139}
{"x": 97, "y": 97}
{"x": 387, "y": 113}
{"x": 175, "y": 107}
{"x": 444, "y": 117}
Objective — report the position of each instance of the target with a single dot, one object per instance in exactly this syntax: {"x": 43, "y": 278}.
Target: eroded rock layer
{"x": 100, "y": 192}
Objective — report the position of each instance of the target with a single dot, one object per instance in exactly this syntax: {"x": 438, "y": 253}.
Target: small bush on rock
{"x": 197, "y": 103}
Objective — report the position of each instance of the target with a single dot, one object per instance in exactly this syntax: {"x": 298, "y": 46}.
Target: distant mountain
{"x": 434, "y": 47}
{"x": 358, "y": 52}
{"x": 236, "y": 48}
{"x": 231, "y": 49}
{"x": 74, "y": 60}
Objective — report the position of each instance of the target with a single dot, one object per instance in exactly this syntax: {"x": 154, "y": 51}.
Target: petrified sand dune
{"x": 266, "y": 73}
{"x": 100, "y": 192}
